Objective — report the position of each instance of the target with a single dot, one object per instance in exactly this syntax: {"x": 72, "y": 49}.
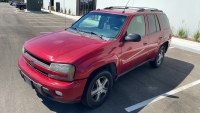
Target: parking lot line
{"x": 49, "y": 22}
{"x": 154, "y": 99}
{"x": 44, "y": 18}
{"x": 45, "y": 32}
{"x": 32, "y": 17}
{"x": 50, "y": 26}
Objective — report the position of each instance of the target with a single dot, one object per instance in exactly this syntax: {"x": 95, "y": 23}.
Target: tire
{"x": 100, "y": 85}
{"x": 21, "y": 8}
{"x": 159, "y": 58}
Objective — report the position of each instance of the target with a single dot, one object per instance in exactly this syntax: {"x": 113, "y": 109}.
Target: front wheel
{"x": 159, "y": 58}
{"x": 21, "y": 8}
{"x": 97, "y": 89}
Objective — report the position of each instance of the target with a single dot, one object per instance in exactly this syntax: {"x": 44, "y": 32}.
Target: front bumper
{"x": 71, "y": 91}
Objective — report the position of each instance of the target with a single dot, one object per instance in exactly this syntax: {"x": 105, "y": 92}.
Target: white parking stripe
{"x": 49, "y": 22}
{"x": 52, "y": 19}
{"x": 34, "y": 17}
{"x": 50, "y": 26}
{"x": 154, "y": 99}
{"x": 171, "y": 47}
{"x": 45, "y": 32}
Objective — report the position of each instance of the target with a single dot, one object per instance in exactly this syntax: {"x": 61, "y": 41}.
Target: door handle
{"x": 145, "y": 43}
{"x": 160, "y": 37}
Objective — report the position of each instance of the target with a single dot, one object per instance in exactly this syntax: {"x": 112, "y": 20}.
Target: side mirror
{"x": 133, "y": 38}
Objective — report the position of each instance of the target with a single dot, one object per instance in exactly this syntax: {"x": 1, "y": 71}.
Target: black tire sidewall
{"x": 156, "y": 63}
{"x": 87, "y": 94}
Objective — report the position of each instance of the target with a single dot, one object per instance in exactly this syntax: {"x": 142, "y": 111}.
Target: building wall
{"x": 68, "y": 4}
{"x": 46, "y": 4}
{"x": 181, "y": 13}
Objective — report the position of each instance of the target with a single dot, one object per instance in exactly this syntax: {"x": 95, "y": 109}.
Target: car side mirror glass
{"x": 133, "y": 38}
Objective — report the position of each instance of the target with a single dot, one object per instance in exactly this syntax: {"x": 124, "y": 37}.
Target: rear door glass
{"x": 164, "y": 21}
{"x": 152, "y": 23}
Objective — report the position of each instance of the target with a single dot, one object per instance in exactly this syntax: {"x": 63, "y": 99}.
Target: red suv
{"x": 82, "y": 62}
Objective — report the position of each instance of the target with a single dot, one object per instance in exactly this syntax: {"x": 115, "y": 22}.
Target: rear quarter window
{"x": 164, "y": 21}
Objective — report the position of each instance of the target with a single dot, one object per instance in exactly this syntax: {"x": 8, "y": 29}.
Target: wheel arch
{"x": 166, "y": 45}
{"x": 111, "y": 67}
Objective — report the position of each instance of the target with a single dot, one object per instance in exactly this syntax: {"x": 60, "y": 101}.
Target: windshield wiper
{"x": 93, "y": 33}
{"x": 75, "y": 29}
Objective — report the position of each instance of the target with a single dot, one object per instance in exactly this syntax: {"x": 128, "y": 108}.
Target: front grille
{"x": 36, "y": 60}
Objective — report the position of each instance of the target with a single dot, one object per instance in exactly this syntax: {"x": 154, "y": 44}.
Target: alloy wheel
{"x": 160, "y": 57}
{"x": 99, "y": 89}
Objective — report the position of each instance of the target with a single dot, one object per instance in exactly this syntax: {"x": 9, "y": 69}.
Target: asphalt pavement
{"x": 172, "y": 88}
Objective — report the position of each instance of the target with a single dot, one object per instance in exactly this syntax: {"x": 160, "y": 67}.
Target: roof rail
{"x": 139, "y": 9}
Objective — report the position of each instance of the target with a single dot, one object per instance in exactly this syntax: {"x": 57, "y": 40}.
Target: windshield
{"x": 101, "y": 24}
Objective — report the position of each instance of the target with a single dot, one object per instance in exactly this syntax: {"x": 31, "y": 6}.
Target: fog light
{"x": 58, "y": 93}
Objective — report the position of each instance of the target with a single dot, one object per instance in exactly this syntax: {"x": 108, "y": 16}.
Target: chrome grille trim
{"x": 36, "y": 60}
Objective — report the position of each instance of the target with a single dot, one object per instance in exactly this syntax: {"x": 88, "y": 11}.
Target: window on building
{"x": 137, "y": 26}
{"x": 164, "y": 21}
{"x": 86, "y": 6}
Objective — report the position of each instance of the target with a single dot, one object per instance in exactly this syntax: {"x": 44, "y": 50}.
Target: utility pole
{"x": 50, "y": 6}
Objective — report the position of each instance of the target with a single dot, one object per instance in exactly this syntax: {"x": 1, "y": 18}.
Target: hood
{"x": 62, "y": 46}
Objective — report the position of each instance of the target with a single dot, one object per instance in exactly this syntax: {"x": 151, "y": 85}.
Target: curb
{"x": 186, "y": 45}
{"x": 63, "y": 15}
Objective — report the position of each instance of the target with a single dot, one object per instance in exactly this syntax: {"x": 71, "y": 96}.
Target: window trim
{"x": 156, "y": 16}
{"x": 155, "y": 24}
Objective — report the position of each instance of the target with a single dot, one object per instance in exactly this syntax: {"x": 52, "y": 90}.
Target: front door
{"x": 134, "y": 53}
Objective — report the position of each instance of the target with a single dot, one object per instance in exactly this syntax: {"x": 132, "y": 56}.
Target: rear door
{"x": 155, "y": 35}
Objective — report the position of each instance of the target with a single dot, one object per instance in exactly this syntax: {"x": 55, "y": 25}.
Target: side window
{"x": 164, "y": 21}
{"x": 137, "y": 26}
{"x": 152, "y": 23}
{"x": 157, "y": 24}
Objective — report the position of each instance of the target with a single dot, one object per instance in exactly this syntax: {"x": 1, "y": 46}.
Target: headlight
{"x": 23, "y": 50}
{"x": 67, "y": 69}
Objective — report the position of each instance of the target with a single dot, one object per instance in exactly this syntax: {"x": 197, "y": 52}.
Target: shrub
{"x": 69, "y": 11}
{"x": 65, "y": 10}
{"x": 61, "y": 10}
{"x": 183, "y": 33}
{"x": 52, "y": 8}
{"x": 196, "y": 35}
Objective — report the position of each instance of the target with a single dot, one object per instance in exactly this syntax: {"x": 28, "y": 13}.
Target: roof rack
{"x": 139, "y": 9}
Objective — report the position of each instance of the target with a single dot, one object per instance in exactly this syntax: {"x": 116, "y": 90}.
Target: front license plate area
{"x": 27, "y": 80}
{"x": 38, "y": 87}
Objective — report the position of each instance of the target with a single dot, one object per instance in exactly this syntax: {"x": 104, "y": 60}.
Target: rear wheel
{"x": 159, "y": 58}
{"x": 97, "y": 89}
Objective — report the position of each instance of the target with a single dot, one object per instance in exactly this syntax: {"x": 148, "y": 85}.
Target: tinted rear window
{"x": 164, "y": 21}
{"x": 152, "y": 23}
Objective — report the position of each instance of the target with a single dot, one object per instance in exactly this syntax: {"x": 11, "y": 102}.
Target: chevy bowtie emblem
{"x": 32, "y": 63}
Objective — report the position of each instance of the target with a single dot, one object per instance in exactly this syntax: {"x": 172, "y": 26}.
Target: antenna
{"x": 65, "y": 10}
{"x": 133, "y": 3}
{"x": 125, "y": 7}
